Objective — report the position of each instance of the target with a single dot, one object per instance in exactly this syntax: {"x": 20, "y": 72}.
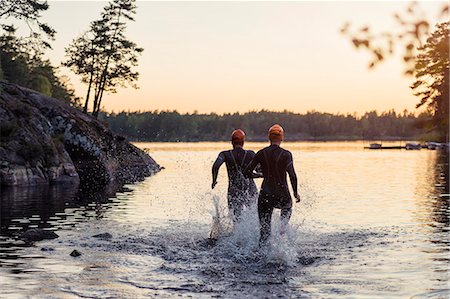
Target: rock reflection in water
{"x": 51, "y": 207}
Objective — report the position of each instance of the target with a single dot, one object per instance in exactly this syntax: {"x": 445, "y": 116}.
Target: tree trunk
{"x": 100, "y": 97}
{"x": 98, "y": 85}
{"x": 88, "y": 93}
{"x": 103, "y": 79}
{"x": 99, "y": 91}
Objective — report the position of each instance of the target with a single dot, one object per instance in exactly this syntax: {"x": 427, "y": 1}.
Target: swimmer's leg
{"x": 231, "y": 206}
{"x": 238, "y": 206}
{"x": 284, "y": 219}
{"x": 265, "y": 211}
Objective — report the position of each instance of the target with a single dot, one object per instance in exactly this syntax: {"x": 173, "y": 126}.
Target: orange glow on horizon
{"x": 243, "y": 56}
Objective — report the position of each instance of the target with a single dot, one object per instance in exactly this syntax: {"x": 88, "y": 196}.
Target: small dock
{"x": 409, "y": 146}
{"x": 386, "y": 147}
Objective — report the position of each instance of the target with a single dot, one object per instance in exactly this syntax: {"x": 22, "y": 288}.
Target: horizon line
{"x": 416, "y": 112}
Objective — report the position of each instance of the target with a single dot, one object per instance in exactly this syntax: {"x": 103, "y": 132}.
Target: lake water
{"x": 371, "y": 224}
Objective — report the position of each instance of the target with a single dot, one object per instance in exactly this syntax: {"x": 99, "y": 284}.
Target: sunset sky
{"x": 240, "y": 56}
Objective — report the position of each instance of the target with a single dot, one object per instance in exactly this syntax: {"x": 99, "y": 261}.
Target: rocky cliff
{"x": 43, "y": 140}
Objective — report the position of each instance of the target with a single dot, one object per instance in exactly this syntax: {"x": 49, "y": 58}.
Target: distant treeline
{"x": 173, "y": 126}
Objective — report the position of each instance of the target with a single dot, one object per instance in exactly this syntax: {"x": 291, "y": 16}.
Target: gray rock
{"x": 37, "y": 234}
{"x": 47, "y": 249}
{"x": 75, "y": 253}
{"x": 44, "y": 140}
{"x": 103, "y": 236}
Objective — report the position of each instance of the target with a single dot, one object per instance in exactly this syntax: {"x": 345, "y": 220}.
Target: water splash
{"x": 240, "y": 240}
{"x": 221, "y": 224}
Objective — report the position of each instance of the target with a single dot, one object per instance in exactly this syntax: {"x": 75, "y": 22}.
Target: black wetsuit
{"x": 241, "y": 190}
{"x": 275, "y": 163}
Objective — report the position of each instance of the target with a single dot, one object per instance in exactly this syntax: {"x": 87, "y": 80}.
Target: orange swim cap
{"x": 237, "y": 137}
{"x": 276, "y": 132}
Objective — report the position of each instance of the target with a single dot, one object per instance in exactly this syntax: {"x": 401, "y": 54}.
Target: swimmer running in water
{"x": 241, "y": 189}
{"x": 275, "y": 163}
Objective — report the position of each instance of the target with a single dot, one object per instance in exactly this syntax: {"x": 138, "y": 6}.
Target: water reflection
{"x": 433, "y": 212}
{"x": 432, "y": 192}
{"x": 440, "y": 214}
{"x": 375, "y": 222}
{"x": 441, "y": 205}
{"x": 52, "y": 207}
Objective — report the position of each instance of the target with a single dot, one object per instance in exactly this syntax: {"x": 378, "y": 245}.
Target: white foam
{"x": 242, "y": 241}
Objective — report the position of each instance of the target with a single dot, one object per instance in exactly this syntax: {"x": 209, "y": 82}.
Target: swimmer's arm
{"x": 248, "y": 172}
{"x": 215, "y": 169}
{"x": 293, "y": 177}
{"x": 257, "y": 173}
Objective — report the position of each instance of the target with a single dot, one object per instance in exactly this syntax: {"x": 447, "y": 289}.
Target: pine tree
{"x": 28, "y": 11}
{"x": 432, "y": 74}
{"x": 103, "y": 56}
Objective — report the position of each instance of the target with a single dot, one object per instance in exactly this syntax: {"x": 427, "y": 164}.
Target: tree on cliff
{"x": 432, "y": 73}
{"x": 21, "y": 58}
{"x": 83, "y": 60}
{"x": 28, "y": 11}
{"x": 103, "y": 56}
{"x": 30, "y": 70}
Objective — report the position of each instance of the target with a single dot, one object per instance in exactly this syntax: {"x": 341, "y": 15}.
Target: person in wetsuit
{"x": 241, "y": 189}
{"x": 275, "y": 163}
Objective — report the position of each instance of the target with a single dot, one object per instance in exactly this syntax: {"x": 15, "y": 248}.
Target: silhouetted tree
{"x": 28, "y": 11}
{"x": 83, "y": 59}
{"x": 13, "y": 58}
{"x": 430, "y": 66}
{"x": 410, "y": 34}
{"x": 432, "y": 73}
{"x": 103, "y": 56}
{"x": 173, "y": 126}
{"x": 29, "y": 70}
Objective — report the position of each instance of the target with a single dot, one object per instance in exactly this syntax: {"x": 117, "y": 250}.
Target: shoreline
{"x": 384, "y": 139}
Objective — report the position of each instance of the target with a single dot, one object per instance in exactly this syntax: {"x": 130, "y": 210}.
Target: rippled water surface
{"x": 371, "y": 224}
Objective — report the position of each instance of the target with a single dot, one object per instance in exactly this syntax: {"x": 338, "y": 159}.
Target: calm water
{"x": 372, "y": 224}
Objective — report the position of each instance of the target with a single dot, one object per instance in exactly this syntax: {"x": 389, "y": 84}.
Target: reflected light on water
{"x": 371, "y": 223}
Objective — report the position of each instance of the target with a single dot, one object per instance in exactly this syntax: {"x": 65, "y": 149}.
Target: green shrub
{"x": 41, "y": 84}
